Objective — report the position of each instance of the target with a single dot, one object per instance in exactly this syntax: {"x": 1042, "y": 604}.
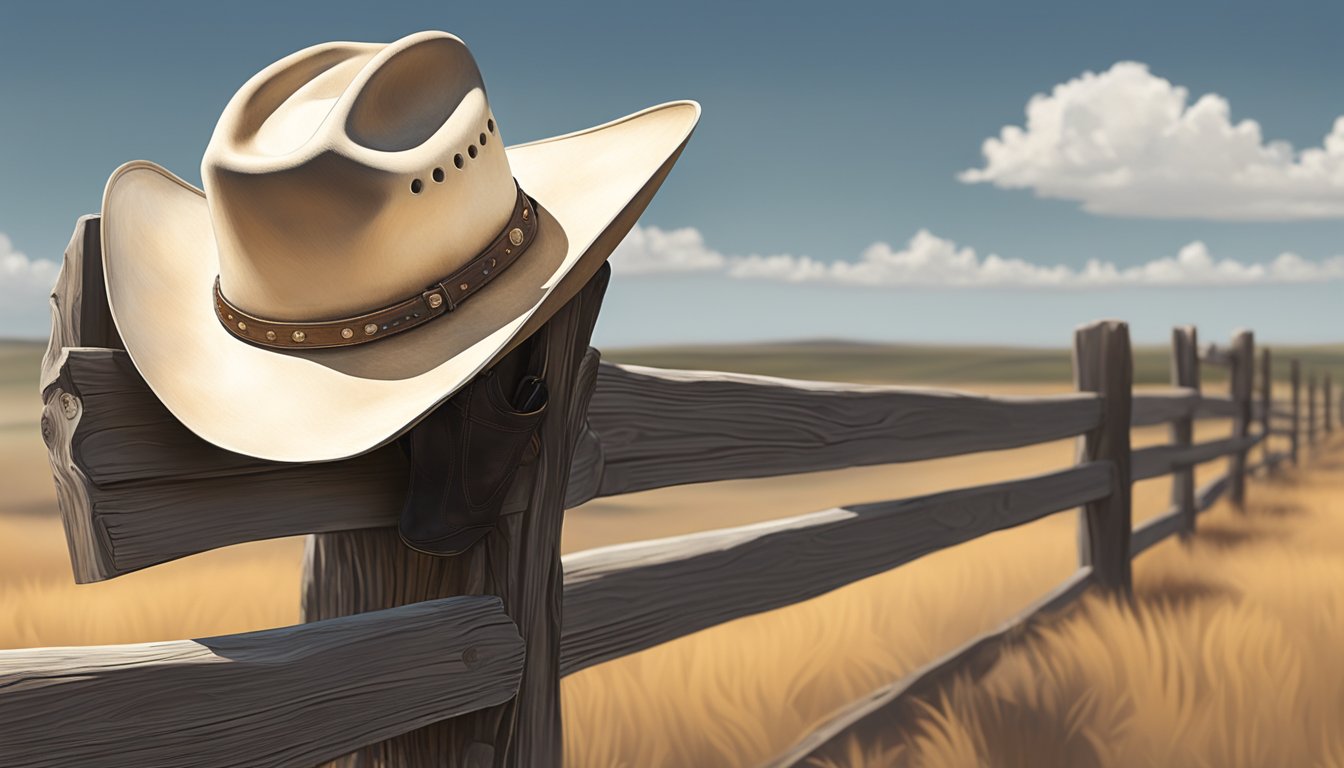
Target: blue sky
{"x": 827, "y": 129}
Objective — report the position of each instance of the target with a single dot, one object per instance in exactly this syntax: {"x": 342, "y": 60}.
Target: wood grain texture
{"x": 1103, "y": 363}
{"x": 354, "y": 571}
{"x": 1158, "y": 460}
{"x": 623, "y": 599}
{"x": 659, "y": 428}
{"x": 1184, "y": 373}
{"x": 280, "y": 697}
{"x": 164, "y": 493}
{"x": 872, "y": 719}
{"x": 79, "y": 317}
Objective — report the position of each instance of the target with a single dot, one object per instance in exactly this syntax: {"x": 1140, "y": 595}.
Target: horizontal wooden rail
{"x": 623, "y": 599}
{"x": 1209, "y": 493}
{"x": 281, "y": 697}
{"x": 870, "y": 719}
{"x": 139, "y": 489}
{"x": 1151, "y": 407}
{"x": 1215, "y": 407}
{"x": 661, "y": 427}
{"x": 1159, "y": 460}
{"x": 1152, "y": 531}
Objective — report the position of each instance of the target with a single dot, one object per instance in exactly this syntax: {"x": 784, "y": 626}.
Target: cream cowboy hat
{"x": 365, "y": 244}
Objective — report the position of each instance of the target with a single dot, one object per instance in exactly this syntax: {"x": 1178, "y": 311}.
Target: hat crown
{"x": 348, "y": 176}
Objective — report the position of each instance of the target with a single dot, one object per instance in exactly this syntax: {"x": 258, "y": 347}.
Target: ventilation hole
{"x": 490, "y": 124}
{"x": 482, "y": 139}
{"x": 416, "y": 186}
{"x": 457, "y": 160}
{"x": 471, "y": 150}
{"x": 438, "y": 174}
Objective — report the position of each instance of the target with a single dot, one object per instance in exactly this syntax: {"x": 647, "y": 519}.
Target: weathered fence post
{"x": 1266, "y": 407}
{"x": 1102, "y": 363}
{"x": 1325, "y": 403}
{"x": 1311, "y": 409}
{"x": 1295, "y": 374}
{"x": 356, "y": 571}
{"x": 1241, "y": 377}
{"x": 1184, "y": 373}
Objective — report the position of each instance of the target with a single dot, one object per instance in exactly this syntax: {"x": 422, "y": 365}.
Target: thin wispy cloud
{"x": 1128, "y": 143}
{"x": 25, "y": 285}
{"x": 927, "y": 260}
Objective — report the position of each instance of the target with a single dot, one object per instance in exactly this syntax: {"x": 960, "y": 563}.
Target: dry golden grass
{"x": 730, "y": 695}
{"x": 1229, "y": 657}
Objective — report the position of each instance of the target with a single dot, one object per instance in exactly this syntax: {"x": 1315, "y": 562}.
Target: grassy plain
{"x": 735, "y": 694}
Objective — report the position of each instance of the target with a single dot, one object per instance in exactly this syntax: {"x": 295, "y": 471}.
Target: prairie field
{"x": 1224, "y": 659}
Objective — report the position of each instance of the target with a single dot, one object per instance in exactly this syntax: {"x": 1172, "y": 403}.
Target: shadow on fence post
{"x": 1296, "y": 376}
{"x": 1266, "y": 408}
{"x": 1184, "y": 373}
{"x": 1240, "y": 378}
{"x": 1103, "y": 363}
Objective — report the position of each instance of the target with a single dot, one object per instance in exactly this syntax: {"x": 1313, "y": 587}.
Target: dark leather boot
{"x": 464, "y": 455}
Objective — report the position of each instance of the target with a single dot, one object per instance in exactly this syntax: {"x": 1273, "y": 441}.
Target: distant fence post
{"x": 1103, "y": 363}
{"x": 1266, "y": 407}
{"x": 1184, "y": 373}
{"x": 1311, "y": 409}
{"x": 1325, "y": 403}
{"x": 1240, "y": 375}
{"x": 1295, "y": 374}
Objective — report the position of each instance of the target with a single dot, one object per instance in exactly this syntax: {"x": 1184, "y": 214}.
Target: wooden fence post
{"x": 355, "y": 571}
{"x": 1266, "y": 407}
{"x": 1325, "y": 403}
{"x": 1184, "y": 373}
{"x": 1241, "y": 376}
{"x": 1103, "y": 363}
{"x": 1295, "y": 374}
{"x": 1311, "y": 409}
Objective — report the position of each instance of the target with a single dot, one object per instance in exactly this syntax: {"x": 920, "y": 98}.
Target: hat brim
{"x": 160, "y": 264}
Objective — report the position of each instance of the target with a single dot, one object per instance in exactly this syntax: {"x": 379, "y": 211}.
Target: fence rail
{"x": 136, "y": 489}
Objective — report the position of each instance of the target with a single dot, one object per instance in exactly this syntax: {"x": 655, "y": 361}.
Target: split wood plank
{"x": 279, "y": 697}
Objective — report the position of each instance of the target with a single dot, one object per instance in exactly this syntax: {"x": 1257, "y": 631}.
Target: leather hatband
{"x": 437, "y": 299}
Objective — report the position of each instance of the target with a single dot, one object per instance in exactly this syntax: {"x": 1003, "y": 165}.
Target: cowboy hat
{"x": 365, "y": 244}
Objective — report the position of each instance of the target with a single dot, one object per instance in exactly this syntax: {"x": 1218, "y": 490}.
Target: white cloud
{"x": 650, "y": 250}
{"x": 928, "y": 260}
{"x": 1128, "y": 143}
{"x": 25, "y": 286}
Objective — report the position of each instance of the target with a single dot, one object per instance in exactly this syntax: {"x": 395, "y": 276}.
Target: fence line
{"x": 137, "y": 489}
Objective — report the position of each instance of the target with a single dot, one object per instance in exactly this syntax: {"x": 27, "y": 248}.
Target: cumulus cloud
{"x": 650, "y": 250}
{"x": 928, "y": 260}
{"x": 25, "y": 285}
{"x": 1128, "y": 143}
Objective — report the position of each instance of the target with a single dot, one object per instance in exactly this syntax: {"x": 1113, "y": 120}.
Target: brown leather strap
{"x": 440, "y": 298}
